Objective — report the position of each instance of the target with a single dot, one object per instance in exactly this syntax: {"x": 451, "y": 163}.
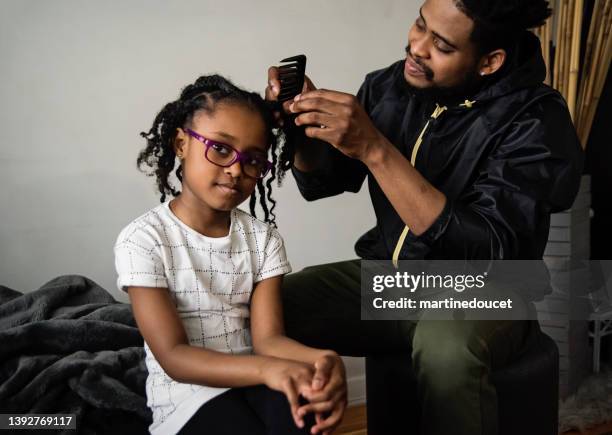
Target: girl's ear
{"x": 180, "y": 143}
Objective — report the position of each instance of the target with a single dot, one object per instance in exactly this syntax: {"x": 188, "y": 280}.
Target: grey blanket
{"x": 69, "y": 347}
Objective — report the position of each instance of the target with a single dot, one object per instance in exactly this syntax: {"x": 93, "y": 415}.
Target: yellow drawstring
{"x": 437, "y": 112}
{"x": 468, "y": 104}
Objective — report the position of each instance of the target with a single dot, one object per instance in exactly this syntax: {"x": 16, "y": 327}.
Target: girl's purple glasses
{"x": 253, "y": 164}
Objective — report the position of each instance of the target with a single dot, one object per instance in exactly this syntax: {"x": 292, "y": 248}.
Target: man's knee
{"x": 449, "y": 352}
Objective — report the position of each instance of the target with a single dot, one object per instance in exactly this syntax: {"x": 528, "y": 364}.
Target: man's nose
{"x": 419, "y": 47}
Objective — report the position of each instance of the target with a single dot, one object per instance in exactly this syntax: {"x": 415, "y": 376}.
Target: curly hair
{"x": 158, "y": 158}
{"x": 500, "y": 23}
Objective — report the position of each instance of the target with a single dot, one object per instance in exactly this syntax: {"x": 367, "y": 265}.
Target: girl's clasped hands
{"x": 322, "y": 385}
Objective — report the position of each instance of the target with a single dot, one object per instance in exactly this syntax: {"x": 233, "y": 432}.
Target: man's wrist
{"x": 377, "y": 153}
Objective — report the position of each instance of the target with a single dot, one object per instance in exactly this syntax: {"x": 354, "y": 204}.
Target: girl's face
{"x": 215, "y": 187}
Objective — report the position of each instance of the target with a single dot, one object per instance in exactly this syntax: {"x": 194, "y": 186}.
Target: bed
{"x": 71, "y": 348}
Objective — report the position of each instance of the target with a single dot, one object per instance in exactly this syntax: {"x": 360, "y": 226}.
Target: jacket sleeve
{"x": 338, "y": 173}
{"x": 534, "y": 171}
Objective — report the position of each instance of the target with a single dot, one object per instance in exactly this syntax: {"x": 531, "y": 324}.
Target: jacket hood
{"x": 525, "y": 68}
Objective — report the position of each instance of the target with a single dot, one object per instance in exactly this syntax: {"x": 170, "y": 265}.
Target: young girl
{"x": 204, "y": 279}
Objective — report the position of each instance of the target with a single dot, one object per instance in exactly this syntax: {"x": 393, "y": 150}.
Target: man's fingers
{"x": 286, "y": 106}
{"x": 323, "y": 134}
{"x": 315, "y": 118}
{"x": 273, "y": 81}
{"x": 319, "y": 133}
{"x": 318, "y": 105}
{"x": 308, "y": 85}
{"x": 269, "y": 95}
{"x": 335, "y": 96}
{"x": 274, "y": 86}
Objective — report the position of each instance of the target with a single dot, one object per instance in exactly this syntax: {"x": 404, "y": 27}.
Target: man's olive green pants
{"x": 452, "y": 360}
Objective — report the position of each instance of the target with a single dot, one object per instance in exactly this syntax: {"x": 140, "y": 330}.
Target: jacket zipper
{"x": 415, "y": 150}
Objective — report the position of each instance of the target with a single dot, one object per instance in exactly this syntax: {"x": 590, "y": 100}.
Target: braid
{"x": 262, "y": 201}
{"x": 253, "y": 203}
{"x": 285, "y": 159}
{"x": 269, "y": 183}
{"x": 158, "y": 158}
{"x": 157, "y": 155}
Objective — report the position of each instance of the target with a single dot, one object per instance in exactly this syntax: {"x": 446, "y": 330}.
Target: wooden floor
{"x": 605, "y": 429}
{"x": 354, "y": 423}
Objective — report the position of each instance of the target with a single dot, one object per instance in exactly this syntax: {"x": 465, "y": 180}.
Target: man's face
{"x": 440, "y": 54}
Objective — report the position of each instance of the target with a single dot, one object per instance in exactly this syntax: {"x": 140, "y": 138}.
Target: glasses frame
{"x": 238, "y": 157}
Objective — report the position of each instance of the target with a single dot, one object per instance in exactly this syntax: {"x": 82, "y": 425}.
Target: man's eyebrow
{"x": 436, "y": 34}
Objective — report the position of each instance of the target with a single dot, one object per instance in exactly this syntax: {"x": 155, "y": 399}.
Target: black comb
{"x": 291, "y": 77}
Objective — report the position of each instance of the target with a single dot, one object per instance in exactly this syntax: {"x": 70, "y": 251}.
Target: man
{"x": 466, "y": 154}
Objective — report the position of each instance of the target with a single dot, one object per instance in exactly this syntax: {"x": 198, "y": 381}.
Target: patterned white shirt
{"x": 210, "y": 280}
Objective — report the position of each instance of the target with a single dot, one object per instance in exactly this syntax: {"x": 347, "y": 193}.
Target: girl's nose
{"x": 235, "y": 170}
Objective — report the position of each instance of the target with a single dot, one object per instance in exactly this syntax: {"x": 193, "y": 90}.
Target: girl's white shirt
{"x": 210, "y": 280}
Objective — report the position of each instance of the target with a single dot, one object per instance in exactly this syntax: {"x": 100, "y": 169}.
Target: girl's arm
{"x": 268, "y": 329}
{"x": 162, "y": 329}
{"x": 328, "y": 393}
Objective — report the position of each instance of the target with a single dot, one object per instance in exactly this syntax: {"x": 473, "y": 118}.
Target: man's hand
{"x": 274, "y": 85}
{"x": 328, "y": 394}
{"x": 308, "y": 152}
{"x": 339, "y": 119}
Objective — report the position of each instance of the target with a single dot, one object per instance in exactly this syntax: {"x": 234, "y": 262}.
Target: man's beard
{"x": 468, "y": 86}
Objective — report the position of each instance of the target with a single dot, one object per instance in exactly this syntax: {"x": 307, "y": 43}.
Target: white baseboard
{"x": 356, "y": 390}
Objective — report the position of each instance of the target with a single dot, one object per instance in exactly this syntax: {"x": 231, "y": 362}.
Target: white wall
{"x": 79, "y": 79}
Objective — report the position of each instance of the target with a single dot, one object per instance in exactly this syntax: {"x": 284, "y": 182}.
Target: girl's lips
{"x": 412, "y": 68}
{"x": 230, "y": 189}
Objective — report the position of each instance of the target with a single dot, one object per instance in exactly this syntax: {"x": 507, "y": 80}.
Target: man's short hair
{"x": 500, "y": 23}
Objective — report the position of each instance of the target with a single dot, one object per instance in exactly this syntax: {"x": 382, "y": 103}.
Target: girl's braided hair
{"x": 158, "y": 158}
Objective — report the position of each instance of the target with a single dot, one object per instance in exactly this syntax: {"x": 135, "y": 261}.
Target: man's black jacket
{"x": 505, "y": 162}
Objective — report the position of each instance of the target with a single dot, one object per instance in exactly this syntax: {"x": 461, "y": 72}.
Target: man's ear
{"x": 492, "y": 62}
{"x": 180, "y": 143}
